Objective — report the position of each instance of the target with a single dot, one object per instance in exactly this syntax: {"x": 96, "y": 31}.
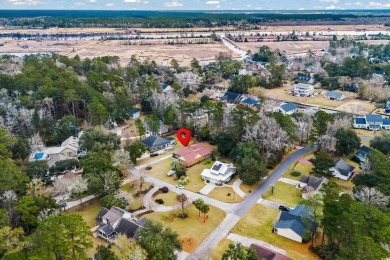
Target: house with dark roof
{"x": 231, "y": 97}
{"x": 387, "y": 106}
{"x": 371, "y": 122}
{"x": 334, "y": 95}
{"x": 250, "y": 102}
{"x": 305, "y": 79}
{"x": 288, "y": 108}
{"x": 155, "y": 143}
{"x": 361, "y": 155}
{"x": 342, "y": 170}
{"x": 353, "y": 87}
{"x": 134, "y": 113}
{"x": 165, "y": 87}
{"x": 295, "y": 224}
{"x": 264, "y": 253}
{"x": 311, "y": 185}
{"x": 116, "y": 221}
{"x": 193, "y": 154}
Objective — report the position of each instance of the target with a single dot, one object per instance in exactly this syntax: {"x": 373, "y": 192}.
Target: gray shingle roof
{"x": 312, "y": 181}
{"x": 127, "y": 227}
{"x": 344, "y": 168}
{"x": 334, "y": 94}
{"x": 289, "y": 107}
{"x": 155, "y": 141}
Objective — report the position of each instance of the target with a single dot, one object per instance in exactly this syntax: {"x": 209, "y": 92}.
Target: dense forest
{"x": 187, "y": 19}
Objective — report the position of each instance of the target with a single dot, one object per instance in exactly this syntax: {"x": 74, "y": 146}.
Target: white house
{"x": 288, "y": 108}
{"x": 342, "y": 170}
{"x": 218, "y": 174}
{"x": 334, "y": 95}
{"x": 303, "y": 90}
{"x": 294, "y": 223}
{"x": 371, "y": 122}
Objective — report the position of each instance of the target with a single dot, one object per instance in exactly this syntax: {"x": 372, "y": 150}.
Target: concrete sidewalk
{"x": 207, "y": 189}
{"x": 292, "y": 182}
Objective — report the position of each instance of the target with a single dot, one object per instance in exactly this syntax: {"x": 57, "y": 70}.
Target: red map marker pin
{"x": 184, "y": 136}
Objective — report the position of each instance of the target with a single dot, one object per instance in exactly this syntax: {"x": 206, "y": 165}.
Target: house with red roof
{"x": 193, "y": 154}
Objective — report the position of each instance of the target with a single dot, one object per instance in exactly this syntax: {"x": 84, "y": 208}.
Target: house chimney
{"x": 108, "y": 221}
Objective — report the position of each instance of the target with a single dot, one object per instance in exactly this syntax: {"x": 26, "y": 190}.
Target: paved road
{"x": 231, "y": 219}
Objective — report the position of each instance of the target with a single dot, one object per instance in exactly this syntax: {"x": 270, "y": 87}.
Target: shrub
{"x": 296, "y": 173}
{"x": 148, "y": 168}
{"x": 160, "y": 201}
{"x": 229, "y": 194}
{"x": 184, "y": 180}
{"x": 164, "y": 189}
{"x": 208, "y": 181}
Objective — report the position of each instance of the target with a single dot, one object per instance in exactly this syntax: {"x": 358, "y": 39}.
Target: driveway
{"x": 247, "y": 241}
{"x": 207, "y": 189}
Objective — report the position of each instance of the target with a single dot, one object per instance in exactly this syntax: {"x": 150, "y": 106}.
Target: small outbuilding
{"x": 334, "y": 95}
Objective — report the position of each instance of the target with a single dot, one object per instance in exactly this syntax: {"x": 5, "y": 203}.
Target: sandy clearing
{"x": 158, "y": 50}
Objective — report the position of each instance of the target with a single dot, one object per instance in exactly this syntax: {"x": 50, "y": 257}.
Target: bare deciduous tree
{"x": 372, "y": 196}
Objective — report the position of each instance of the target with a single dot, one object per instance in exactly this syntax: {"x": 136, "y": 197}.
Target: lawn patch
{"x": 249, "y": 188}
{"x": 220, "y": 248}
{"x": 88, "y": 211}
{"x": 191, "y": 227}
{"x": 257, "y": 223}
{"x": 285, "y": 194}
{"x": 225, "y": 194}
{"x": 169, "y": 198}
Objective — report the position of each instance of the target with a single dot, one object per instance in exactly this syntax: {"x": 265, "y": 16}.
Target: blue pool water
{"x": 38, "y": 156}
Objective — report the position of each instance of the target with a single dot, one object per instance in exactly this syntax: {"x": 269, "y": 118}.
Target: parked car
{"x": 284, "y": 208}
{"x": 153, "y": 154}
{"x": 168, "y": 148}
{"x": 179, "y": 186}
{"x": 171, "y": 172}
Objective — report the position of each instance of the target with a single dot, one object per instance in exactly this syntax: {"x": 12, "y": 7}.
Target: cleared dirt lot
{"x": 349, "y": 105}
{"x": 157, "y": 50}
{"x": 291, "y": 47}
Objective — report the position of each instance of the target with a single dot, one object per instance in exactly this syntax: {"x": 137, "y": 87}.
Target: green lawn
{"x": 285, "y": 194}
{"x": 133, "y": 188}
{"x": 192, "y": 230}
{"x": 170, "y": 198}
{"x": 221, "y": 194}
{"x": 88, "y": 211}
{"x": 257, "y": 223}
{"x": 220, "y": 248}
{"x": 249, "y": 188}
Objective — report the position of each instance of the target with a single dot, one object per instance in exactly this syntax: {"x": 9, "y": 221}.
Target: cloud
{"x": 212, "y": 3}
{"x": 92, "y": 1}
{"x": 330, "y": 7}
{"x": 330, "y": 1}
{"x": 173, "y": 4}
{"x": 108, "y": 5}
{"x": 131, "y": 1}
{"x": 27, "y": 2}
{"x": 379, "y": 5}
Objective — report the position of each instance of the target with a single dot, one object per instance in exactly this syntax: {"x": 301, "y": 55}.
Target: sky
{"x": 195, "y": 4}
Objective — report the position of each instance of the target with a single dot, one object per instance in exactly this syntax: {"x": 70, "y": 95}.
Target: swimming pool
{"x": 38, "y": 156}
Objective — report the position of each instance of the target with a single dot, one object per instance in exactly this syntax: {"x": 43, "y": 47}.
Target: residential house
{"x": 353, "y": 87}
{"x": 219, "y": 173}
{"x": 305, "y": 79}
{"x": 165, "y": 87}
{"x": 311, "y": 185}
{"x": 342, "y": 170}
{"x": 371, "y": 122}
{"x": 134, "y": 113}
{"x": 155, "y": 143}
{"x": 361, "y": 155}
{"x": 288, "y": 108}
{"x": 295, "y": 223}
{"x": 252, "y": 103}
{"x": 193, "y": 154}
{"x": 231, "y": 97}
{"x": 334, "y": 95}
{"x": 69, "y": 149}
{"x": 117, "y": 221}
{"x": 387, "y": 106}
{"x": 303, "y": 90}
{"x": 264, "y": 253}
{"x": 163, "y": 129}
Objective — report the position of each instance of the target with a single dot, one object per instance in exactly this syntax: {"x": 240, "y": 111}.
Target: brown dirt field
{"x": 189, "y": 244}
{"x": 159, "y": 50}
{"x": 372, "y": 27}
{"x": 291, "y": 47}
{"x": 350, "y": 104}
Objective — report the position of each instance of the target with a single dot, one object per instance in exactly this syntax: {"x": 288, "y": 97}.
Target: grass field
{"x": 257, "y": 223}
{"x": 285, "y": 194}
{"x": 192, "y": 230}
{"x": 249, "y": 188}
{"x": 220, "y": 248}
{"x": 221, "y": 194}
{"x": 133, "y": 188}
{"x": 170, "y": 198}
